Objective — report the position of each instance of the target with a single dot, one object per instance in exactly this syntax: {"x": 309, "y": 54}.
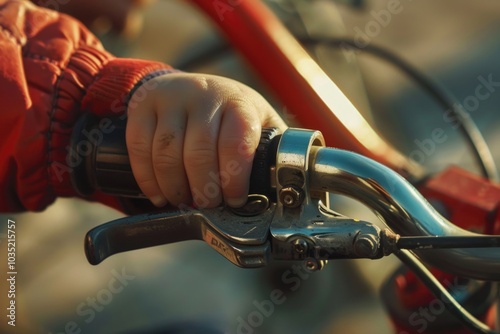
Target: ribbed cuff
{"x": 110, "y": 92}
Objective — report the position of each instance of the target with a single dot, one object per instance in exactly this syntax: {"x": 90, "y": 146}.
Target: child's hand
{"x": 192, "y": 137}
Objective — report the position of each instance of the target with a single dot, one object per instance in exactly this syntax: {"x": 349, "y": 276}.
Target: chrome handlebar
{"x": 400, "y": 207}
{"x": 300, "y": 225}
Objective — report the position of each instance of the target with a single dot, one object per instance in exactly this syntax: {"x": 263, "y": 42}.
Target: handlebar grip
{"x": 99, "y": 147}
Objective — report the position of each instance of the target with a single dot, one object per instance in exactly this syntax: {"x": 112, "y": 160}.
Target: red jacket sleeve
{"x": 51, "y": 69}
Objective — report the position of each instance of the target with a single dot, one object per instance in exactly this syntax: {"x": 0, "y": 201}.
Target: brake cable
{"x": 440, "y": 242}
{"x": 439, "y": 291}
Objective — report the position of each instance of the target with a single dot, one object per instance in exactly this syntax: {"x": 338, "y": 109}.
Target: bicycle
{"x": 288, "y": 217}
{"x": 303, "y": 246}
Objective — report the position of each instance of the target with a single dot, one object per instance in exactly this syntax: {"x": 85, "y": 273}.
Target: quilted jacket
{"x": 52, "y": 69}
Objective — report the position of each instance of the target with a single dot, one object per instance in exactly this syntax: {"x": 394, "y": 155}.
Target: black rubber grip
{"x": 102, "y": 163}
{"x": 264, "y": 160}
{"x": 100, "y": 142}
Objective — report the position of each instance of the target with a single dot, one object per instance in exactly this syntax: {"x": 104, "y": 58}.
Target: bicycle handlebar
{"x": 401, "y": 207}
{"x": 301, "y": 162}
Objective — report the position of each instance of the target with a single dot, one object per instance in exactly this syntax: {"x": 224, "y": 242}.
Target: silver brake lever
{"x": 298, "y": 227}
{"x": 240, "y": 235}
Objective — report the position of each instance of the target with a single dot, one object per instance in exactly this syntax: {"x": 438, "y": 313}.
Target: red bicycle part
{"x": 470, "y": 201}
{"x": 415, "y": 310}
{"x": 303, "y": 87}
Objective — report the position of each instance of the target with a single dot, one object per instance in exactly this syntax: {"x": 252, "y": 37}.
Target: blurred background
{"x": 188, "y": 287}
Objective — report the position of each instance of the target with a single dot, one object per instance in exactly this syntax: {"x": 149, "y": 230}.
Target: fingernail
{"x": 159, "y": 201}
{"x": 235, "y": 202}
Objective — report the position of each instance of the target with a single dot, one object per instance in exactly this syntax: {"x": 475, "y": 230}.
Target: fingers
{"x": 200, "y": 156}
{"x": 267, "y": 116}
{"x": 167, "y": 156}
{"x": 195, "y": 139}
{"x": 238, "y": 140}
{"x": 155, "y": 140}
{"x": 141, "y": 126}
{"x": 220, "y": 144}
{"x": 239, "y": 137}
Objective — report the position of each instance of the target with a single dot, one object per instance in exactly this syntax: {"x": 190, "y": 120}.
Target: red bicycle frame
{"x": 295, "y": 78}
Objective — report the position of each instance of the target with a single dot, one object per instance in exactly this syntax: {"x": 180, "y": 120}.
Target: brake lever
{"x": 239, "y": 235}
{"x": 298, "y": 226}
{"x": 246, "y": 240}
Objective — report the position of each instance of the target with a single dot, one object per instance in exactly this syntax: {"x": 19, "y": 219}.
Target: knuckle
{"x": 231, "y": 143}
{"x": 240, "y": 146}
{"x": 236, "y": 147}
{"x": 139, "y": 148}
{"x": 236, "y": 103}
{"x": 200, "y": 156}
{"x": 165, "y": 160}
{"x": 166, "y": 155}
{"x": 199, "y": 83}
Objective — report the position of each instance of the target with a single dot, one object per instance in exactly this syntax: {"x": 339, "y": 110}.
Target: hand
{"x": 192, "y": 137}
